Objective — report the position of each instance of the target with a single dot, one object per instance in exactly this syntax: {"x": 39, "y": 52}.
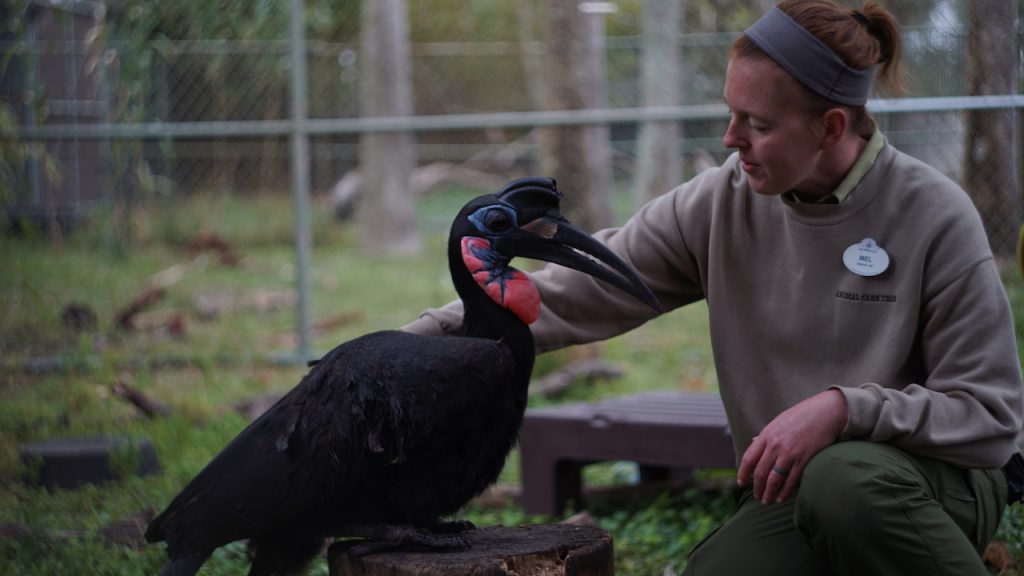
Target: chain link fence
{"x": 106, "y": 104}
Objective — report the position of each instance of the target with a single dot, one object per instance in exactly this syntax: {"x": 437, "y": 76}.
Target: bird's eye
{"x": 494, "y": 219}
{"x": 497, "y": 220}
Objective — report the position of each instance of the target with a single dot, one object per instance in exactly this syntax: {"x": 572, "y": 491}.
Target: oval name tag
{"x": 866, "y": 258}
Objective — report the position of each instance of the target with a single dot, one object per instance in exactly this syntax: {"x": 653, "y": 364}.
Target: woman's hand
{"x": 778, "y": 455}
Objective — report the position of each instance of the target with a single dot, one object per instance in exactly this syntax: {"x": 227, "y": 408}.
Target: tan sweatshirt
{"x": 923, "y": 349}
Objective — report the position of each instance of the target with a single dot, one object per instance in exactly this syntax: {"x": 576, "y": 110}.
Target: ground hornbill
{"x": 391, "y": 432}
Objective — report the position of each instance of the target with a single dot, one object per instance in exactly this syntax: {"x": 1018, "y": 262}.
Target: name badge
{"x": 866, "y": 258}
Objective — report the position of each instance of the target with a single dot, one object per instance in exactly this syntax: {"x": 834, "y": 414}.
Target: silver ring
{"x": 779, "y": 470}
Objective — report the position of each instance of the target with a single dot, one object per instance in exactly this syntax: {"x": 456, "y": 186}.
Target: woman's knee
{"x": 850, "y": 485}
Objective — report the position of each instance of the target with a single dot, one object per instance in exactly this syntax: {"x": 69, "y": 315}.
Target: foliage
{"x": 16, "y": 155}
{"x": 653, "y": 536}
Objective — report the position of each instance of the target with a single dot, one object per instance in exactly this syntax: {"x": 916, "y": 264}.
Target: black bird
{"x": 391, "y": 432}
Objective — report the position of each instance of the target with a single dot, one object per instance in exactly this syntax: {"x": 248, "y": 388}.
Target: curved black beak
{"x": 555, "y": 239}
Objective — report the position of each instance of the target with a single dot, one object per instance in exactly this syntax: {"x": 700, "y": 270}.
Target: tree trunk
{"x": 579, "y": 156}
{"x": 659, "y": 157}
{"x": 388, "y": 208}
{"x": 991, "y": 167}
{"x": 528, "y": 56}
{"x": 542, "y": 550}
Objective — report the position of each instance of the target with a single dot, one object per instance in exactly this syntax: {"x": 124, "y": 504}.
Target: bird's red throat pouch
{"x": 505, "y": 285}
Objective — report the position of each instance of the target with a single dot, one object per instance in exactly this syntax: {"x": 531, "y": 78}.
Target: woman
{"x": 862, "y": 338}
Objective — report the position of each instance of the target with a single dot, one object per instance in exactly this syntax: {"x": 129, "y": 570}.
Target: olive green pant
{"x": 867, "y": 509}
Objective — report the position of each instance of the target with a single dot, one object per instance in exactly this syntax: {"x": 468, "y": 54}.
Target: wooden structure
{"x": 55, "y": 68}
{"x": 666, "y": 432}
{"x": 542, "y": 550}
{"x": 75, "y": 462}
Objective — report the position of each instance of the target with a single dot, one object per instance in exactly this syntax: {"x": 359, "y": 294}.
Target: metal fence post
{"x": 300, "y": 175}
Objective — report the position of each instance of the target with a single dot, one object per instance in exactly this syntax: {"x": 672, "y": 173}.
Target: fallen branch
{"x": 170, "y": 323}
{"x": 148, "y": 406}
{"x": 148, "y": 297}
{"x": 155, "y": 291}
{"x": 209, "y": 241}
{"x": 589, "y": 371}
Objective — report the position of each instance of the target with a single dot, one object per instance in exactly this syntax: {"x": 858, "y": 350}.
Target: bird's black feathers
{"x": 354, "y": 416}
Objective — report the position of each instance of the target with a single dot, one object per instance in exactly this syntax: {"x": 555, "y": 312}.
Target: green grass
{"x": 55, "y": 382}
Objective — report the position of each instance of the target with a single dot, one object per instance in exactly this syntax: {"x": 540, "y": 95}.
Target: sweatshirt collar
{"x": 864, "y": 163}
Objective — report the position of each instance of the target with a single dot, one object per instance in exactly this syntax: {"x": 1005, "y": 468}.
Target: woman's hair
{"x": 861, "y": 38}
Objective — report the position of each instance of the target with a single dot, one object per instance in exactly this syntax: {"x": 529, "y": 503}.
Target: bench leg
{"x": 651, "y": 474}
{"x": 548, "y": 483}
{"x": 568, "y": 486}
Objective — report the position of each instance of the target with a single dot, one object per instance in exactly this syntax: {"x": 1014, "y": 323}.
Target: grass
{"x": 55, "y": 382}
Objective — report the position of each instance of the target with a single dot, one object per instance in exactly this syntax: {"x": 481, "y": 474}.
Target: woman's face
{"x": 778, "y": 142}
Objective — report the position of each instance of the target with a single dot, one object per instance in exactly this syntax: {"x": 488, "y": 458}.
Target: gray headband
{"x": 812, "y": 63}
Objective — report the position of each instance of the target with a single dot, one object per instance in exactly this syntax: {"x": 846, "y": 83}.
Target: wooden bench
{"x": 661, "y": 431}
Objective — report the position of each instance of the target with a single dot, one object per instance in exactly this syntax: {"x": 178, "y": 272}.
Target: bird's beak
{"x": 555, "y": 239}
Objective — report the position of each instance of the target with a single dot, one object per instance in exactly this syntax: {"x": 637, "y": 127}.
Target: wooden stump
{"x": 541, "y": 550}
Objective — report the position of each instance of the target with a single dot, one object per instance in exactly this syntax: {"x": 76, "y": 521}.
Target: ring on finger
{"x": 780, "y": 470}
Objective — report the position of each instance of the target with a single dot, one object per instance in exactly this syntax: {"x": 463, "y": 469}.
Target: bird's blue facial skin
{"x": 494, "y": 220}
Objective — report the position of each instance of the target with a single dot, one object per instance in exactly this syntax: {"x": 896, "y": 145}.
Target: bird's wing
{"x": 391, "y": 390}
{"x": 366, "y": 403}
{"x": 241, "y": 491}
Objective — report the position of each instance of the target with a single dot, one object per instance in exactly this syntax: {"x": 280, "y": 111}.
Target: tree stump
{"x": 541, "y": 550}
